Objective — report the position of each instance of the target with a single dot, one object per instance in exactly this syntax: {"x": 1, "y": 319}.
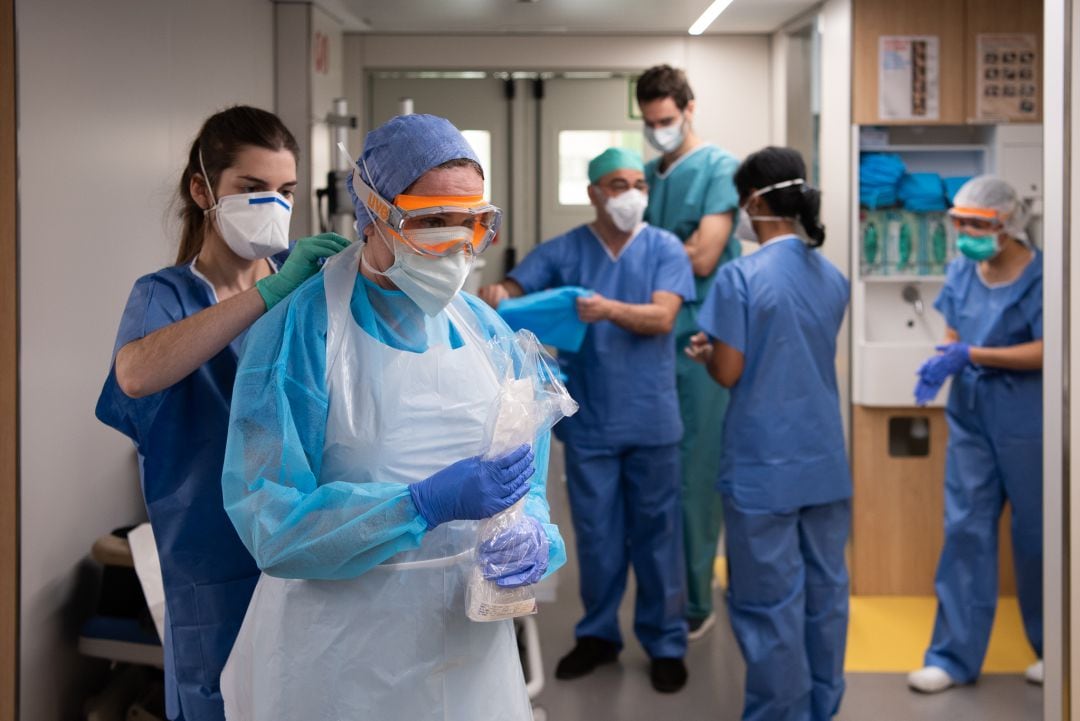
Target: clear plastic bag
{"x": 531, "y": 401}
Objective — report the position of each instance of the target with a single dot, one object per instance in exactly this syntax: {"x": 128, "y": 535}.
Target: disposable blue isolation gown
{"x": 180, "y": 436}
{"x": 622, "y": 459}
{"x": 360, "y": 610}
{"x": 784, "y": 477}
{"x": 994, "y": 455}
{"x": 697, "y": 184}
{"x": 550, "y": 314}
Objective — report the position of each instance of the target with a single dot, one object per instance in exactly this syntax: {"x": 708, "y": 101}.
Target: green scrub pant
{"x": 702, "y": 404}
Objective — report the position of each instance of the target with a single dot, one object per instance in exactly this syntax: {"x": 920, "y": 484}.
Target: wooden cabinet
{"x": 873, "y": 18}
{"x": 956, "y": 24}
{"x": 898, "y": 508}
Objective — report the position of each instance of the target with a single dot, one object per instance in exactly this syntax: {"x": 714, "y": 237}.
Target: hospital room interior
{"x": 567, "y": 360}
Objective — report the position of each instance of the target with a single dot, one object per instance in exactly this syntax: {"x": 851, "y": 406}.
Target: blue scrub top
{"x": 996, "y": 316}
{"x": 700, "y": 183}
{"x": 625, "y": 382}
{"x": 781, "y": 307}
{"x": 993, "y": 316}
{"x": 180, "y": 435}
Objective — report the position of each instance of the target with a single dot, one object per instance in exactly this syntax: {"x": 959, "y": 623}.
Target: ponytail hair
{"x": 775, "y": 165}
{"x": 220, "y": 140}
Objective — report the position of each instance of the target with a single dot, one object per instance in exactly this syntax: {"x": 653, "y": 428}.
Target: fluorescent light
{"x": 711, "y": 13}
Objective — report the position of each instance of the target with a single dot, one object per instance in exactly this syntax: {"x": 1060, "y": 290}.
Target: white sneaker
{"x": 698, "y": 628}
{"x": 930, "y": 679}
{"x": 1034, "y": 673}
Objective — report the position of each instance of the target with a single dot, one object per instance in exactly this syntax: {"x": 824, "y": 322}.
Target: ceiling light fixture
{"x": 711, "y": 13}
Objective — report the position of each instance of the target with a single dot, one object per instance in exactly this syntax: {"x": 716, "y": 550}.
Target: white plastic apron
{"x": 393, "y": 644}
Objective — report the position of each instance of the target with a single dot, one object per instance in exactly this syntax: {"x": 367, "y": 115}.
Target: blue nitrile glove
{"x": 925, "y": 392}
{"x": 517, "y": 556}
{"x": 951, "y": 359}
{"x": 474, "y": 488}
{"x": 302, "y": 263}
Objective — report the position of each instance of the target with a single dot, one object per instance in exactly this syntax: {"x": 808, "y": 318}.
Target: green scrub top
{"x": 700, "y": 183}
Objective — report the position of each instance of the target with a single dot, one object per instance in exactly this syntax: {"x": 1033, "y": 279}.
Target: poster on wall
{"x": 908, "y": 77}
{"x": 1006, "y": 76}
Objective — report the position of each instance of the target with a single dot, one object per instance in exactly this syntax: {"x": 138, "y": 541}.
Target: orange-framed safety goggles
{"x": 978, "y": 218}
{"x": 434, "y": 225}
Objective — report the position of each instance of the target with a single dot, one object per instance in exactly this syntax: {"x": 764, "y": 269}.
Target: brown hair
{"x": 664, "y": 81}
{"x": 221, "y": 138}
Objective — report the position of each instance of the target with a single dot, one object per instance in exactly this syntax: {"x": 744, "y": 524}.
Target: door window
{"x": 577, "y": 148}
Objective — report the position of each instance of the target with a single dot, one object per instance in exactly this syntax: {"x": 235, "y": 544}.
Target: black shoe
{"x": 698, "y": 628}
{"x": 589, "y": 653}
{"x": 668, "y": 675}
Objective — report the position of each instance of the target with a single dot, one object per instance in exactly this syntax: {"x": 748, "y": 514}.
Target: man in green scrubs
{"x": 692, "y": 194}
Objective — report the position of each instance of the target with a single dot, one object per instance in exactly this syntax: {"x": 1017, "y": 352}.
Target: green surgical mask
{"x": 978, "y": 247}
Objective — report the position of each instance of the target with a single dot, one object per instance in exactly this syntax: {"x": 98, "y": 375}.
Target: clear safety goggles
{"x": 434, "y": 225}
{"x": 978, "y": 219}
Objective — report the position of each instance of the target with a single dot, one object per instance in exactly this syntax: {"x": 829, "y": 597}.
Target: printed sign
{"x": 908, "y": 77}
{"x": 1006, "y": 77}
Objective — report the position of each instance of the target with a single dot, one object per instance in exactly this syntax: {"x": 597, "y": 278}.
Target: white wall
{"x": 729, "y": 73}
{"x": 325, "y": 88}
{"x": 835, "y": 151}
{"x": 778, "y": 53}
{"x": 305, "y": 89}
{"x": 111, "y": 93}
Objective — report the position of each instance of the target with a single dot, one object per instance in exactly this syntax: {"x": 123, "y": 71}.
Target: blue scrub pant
{"x": 788, "y": 603}
{"x": 993, "y": 456}
{"x": 626, "y": 510}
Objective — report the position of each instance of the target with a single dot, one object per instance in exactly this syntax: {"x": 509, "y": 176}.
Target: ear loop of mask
{"x": 768, "y": 189}
{"x": 206, "y": 179}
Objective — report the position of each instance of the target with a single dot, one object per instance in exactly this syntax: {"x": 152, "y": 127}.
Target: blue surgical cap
{"x": 399, "y": 151}
{"x": 614, "y": 159}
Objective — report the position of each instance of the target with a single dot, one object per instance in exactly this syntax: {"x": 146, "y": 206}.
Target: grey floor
{"x": 621, "y": 692}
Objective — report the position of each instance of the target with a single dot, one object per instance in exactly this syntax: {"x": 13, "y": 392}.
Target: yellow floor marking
{"x": 889, "y": 634}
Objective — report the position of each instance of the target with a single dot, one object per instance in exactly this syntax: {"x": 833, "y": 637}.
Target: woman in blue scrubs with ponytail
{"x": 171, "y": 381}
{"x": 770, "y": 323}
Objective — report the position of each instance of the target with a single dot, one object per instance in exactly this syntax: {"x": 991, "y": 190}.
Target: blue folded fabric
{"x": 923, "y": 192}
{"x": 550, "y": 314}
{"x": 954, "y": 184}
{"x": 879, "y": 178}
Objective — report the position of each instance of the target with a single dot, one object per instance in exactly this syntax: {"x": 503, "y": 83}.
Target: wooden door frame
{"x": 9, "y": 384}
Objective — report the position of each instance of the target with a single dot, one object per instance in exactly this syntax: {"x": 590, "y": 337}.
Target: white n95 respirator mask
{"x": 627, "y": 209}
{"x": 253, "y": 225}
{"x": 667, "y": 139}
{"x": 429, "y": 281}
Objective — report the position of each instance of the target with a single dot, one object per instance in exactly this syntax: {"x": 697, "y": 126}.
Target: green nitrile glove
{"x": 302, "y": 263}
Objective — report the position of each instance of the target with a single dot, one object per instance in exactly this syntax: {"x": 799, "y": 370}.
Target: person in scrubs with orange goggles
{"x": 355, "y": 471}
{"x": 992, "y": 303}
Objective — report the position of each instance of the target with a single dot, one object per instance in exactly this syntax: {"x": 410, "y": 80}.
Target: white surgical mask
{"x": 253, "y": 225}
{"x": 429, "y": 281}
{"x": 667, "y": 139}
{"x": 744, "y": 228}
{"x": 627, "y": 209}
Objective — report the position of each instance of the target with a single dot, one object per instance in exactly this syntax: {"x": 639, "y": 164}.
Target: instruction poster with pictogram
{"x": 909, "y": 77}
{"x": 1006, "y": 76}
